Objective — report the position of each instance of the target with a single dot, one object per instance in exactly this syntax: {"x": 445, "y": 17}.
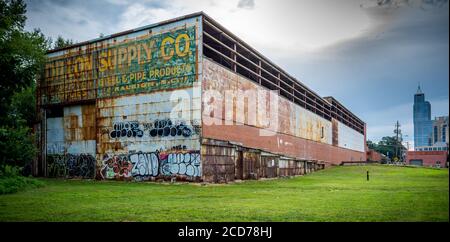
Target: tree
{"x": 61, "y": 42}
{"x": 387, "y": 146}
{"x": 23, "y": 106}
{"x": 22, "y": 53}
{"x": 371, "y": 145}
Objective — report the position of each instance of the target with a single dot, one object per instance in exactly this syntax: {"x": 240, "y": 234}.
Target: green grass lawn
{"x": 335, "y": 194}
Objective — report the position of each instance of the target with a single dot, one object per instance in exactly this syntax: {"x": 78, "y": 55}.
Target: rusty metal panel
{"x": 80, "y": 129}
{"x": 71, "y": 143}
{"x": 239, "y": 165}
{"x": 218, "y": 162}
{"x": 251, "y": 165}
{"x": 269, "y": 166}
{"x": 158, "y": 58}
{"x": 55, "y": 136}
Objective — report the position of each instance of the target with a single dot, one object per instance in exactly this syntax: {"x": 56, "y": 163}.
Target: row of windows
{"x": 432, "y": 149}
{"x": 443, "y": 134}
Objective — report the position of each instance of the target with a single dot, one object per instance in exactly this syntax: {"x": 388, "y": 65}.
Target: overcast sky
{"x": 371, "y": 58}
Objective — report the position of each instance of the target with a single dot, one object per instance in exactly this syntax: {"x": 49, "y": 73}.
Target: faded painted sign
{"x": 291, "y": 119}
{"x": 164, "y": 61}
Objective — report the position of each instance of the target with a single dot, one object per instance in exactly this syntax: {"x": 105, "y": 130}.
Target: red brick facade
{"x": 372, "y": 155}
{"x": 282, "y": 144}
{"x": 427, "y": 158}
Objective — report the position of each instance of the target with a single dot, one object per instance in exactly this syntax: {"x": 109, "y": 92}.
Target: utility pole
{"x": 397, "y": 132}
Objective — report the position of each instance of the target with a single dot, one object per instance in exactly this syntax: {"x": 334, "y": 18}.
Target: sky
{"x": 369, "y": 56}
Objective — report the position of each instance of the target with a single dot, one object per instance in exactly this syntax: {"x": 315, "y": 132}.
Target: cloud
{"x": 246, "y": 4}
{"x": 79, "y": 20}
{"x": 138, "y": 14}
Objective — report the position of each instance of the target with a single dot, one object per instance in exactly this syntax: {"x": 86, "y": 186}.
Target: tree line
{"x": 22, "y": 58}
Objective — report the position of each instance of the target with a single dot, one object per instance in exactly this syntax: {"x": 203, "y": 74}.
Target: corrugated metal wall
{"x": 149, "y": 135}
{"x": 71, "y": 142}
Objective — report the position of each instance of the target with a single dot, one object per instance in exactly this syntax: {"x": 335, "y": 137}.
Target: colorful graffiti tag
{"x": 142, "y": 166}
{"x": 70, "y": 166}
{"x": 158, "y": 128}
{"x": 181, "y": 164}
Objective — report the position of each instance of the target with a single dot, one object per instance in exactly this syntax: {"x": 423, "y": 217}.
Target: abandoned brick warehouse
{"x": 184, "y": 99}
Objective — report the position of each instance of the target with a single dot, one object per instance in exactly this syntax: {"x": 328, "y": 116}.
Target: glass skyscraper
{"x": 423, "y": 125}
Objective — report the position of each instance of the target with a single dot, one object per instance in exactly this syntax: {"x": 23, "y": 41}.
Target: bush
{"x": 17, "y": 146}
{"x": 11, "y": 180}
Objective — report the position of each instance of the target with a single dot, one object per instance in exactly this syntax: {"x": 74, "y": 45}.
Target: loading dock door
{"x": 416, "y": 162}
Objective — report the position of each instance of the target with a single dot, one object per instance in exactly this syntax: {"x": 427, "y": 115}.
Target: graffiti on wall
{"x": 126, "y": 129}
{"x": 71, "y": 165}
{"x": 55, "y": 148}
{"x": 181, "y": 163}
{"x": 154, "y": 61}
{"x": 144, "y": 165}
{"x": 164, "y": 128}
{"x": 158, "y": 128}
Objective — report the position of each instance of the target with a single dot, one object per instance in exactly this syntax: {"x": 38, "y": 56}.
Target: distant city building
{"x": 436, "y": 159}
{"x": 431, "y": 137}
{"x": 423, "y": 125}
{"x": 439, "y": 135}
{"x": 440, "y": 131}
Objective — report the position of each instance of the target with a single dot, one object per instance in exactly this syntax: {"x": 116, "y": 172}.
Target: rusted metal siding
{"x": 218, "y": 161}
{"x": 335, "y": 132}
{"x": 251, "y": 161}
{"x": 292, "y": 167}
{"x": 71, "y": 142}
{"x": 269, "y": 165}
{"x": 55, "y": 136}
{"x": 164, "y": 133}
{"x": 80, "y": 129}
